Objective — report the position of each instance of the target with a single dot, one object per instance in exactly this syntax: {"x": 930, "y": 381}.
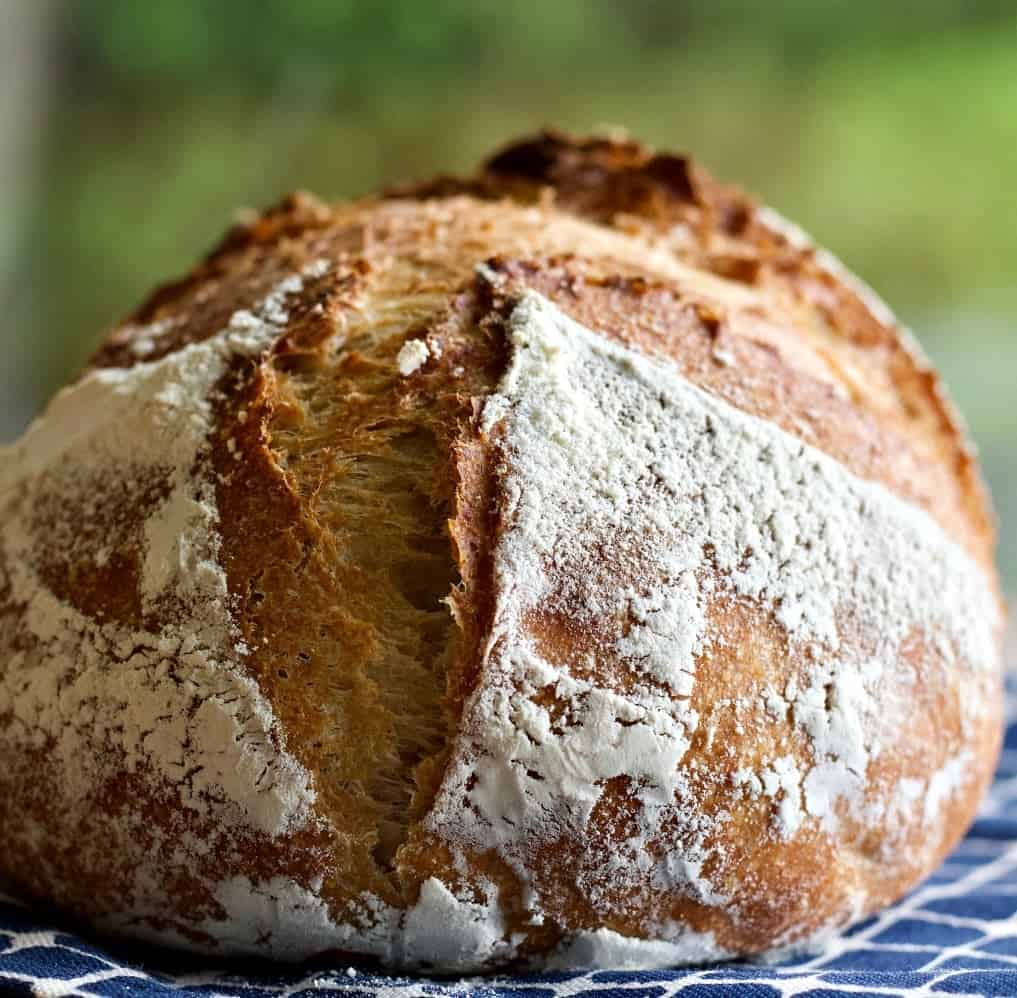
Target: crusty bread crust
{"x": 355, "y": 492}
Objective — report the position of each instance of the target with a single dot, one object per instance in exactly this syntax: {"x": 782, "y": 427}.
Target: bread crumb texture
{"x": 566, "y": 566}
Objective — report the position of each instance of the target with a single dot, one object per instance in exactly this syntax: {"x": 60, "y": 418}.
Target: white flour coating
{"x": 277, "y": 918}
{"x": 445, "y": 931}
{"x": 170, "y": 702}
{"x": 412, "y": 356}
{"x": 781, "y": 781}
{"x": 440, "y": 930}
{"x": 944, "y": 784}
{"x": 629, "y": 493}
{"x": 292, "y": 923}
{"x": 604, "y": 948}
{"x": 144, "y": 340}
{"x": 840, "y": 715}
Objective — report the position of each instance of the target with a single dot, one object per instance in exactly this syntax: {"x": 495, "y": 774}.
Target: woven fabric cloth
{"x": 956, "y": 934}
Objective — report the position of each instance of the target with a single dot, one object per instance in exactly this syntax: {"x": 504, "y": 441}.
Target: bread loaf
{"x": 568, "y": 565}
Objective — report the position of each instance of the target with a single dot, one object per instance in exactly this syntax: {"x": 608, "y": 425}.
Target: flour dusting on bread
{"x": 162, "y": 697}
{"x": 631, "y": 500}
{"x": 412, "y": 355}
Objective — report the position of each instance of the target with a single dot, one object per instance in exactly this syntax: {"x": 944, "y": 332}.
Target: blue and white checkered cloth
{"x": 956, "y": 935}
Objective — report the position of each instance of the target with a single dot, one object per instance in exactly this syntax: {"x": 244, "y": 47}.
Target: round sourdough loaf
{"x": 569, "y": 565}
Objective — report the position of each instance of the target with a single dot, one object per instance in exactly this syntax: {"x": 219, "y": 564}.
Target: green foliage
{"x": 193, "y": 43}
{"x": 190, "y": 43}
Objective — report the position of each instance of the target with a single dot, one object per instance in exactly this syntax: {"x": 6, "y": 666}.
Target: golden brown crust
{"x": 352, "y": 498}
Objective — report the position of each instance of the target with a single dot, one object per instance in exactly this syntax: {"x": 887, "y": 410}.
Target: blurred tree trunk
{"x": 26, "y": 69}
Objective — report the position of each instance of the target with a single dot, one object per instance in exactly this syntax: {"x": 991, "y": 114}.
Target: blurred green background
{"x": 132, "y": 132}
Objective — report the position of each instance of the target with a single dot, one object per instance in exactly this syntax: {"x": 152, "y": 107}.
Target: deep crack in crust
{"x": 340, "y": 484}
